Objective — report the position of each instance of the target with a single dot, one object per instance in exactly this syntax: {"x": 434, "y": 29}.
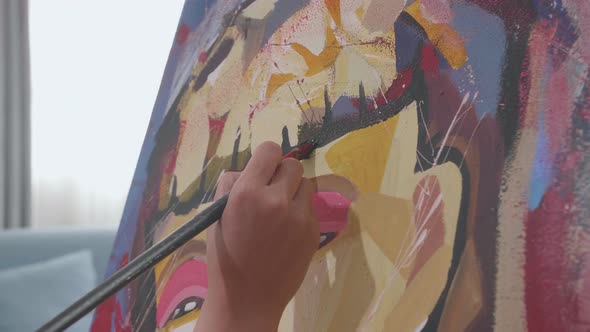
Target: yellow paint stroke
{"x": 361, "y": 156}
{"x": 334, "y": 9}
{"x": 387, "y": 220}
{"x": 326, "y": 58}
{"x": 465, "y": 299}
{"x": 276, "y": 81}
{"x": 421, "y": 294}
{"x": 165, "y": 195}
{"x": 443, "y": 36}
{"x": 360, "y": 12}
{"x": 180, "y": 321}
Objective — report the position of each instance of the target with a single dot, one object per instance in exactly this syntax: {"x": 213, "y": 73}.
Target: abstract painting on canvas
{"x": 455, "y": 134}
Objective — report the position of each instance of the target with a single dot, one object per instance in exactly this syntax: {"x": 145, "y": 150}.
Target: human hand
{"x": 259, "y": 252}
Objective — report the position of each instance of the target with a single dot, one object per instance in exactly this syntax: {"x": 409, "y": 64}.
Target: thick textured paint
{"x": 327, "y": 57}
{"x": 409, "y": 34}
{"x": 442, "y": 35}
{"x": 429, "y": 62}
{"x": 546, "y": 268}
{"x": 379, "y": 14}
{"x": 214, "y": 61}
{"x": 334, "y": 9}
{"x": 437, "y": 11}
{"x": 277, "y": 80}
{"x": 216, "y": 126}
{"x": 453, "y": 143}
{"x": 344, "y": 108}
{"x": 400, "y": 85}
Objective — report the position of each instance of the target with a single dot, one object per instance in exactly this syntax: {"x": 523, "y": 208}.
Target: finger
{"x": 226, "y": 182}
{"x": 288, "y": 176}
{"x": 304, "y": 204}
{"x": 303, "y": 197}
{"x": 263, "y": 164}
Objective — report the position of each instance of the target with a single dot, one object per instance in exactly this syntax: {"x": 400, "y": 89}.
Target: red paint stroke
{"x": 103, "y": 319}
{"x": 182, "y": 34}
{"x": 399, "y": 85}
{"x": 170, "y": 162}
{"x": 512, "y": 12}
{"x": 255, "y": 108}
{"x": 203, "y": 56}
{"x": 524, "y": 89}
{"x": 559, "y": 96}
{"x": 216, "y": 124}
{"x": 124, "y": 260}
{"x": 430, "y": 62}
{"x": 551, "y": 299}
{"x": 103, "y": 316}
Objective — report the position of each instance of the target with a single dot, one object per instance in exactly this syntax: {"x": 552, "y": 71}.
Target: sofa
{"x": 21, "y": 247}
{"x": 24, "y": 248}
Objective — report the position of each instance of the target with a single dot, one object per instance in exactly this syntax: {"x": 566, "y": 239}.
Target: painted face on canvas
{"x": 181, "y": 282}
{"x": 450, "y": 165}
{"x": 377, "y": 216}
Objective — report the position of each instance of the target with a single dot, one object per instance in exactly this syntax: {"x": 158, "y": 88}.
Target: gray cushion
{"x": 30, "y": 295}
{"x": 31, "y": 246}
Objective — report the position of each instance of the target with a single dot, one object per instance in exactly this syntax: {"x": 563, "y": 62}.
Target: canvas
{"x": 454, "y": 144}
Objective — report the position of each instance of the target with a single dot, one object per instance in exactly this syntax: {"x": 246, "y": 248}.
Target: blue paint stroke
{"x": 541, "y": 177}
{"x": 407, "y": 39}
{"x": 484, "y": 36}
{"x": 343, "y": 108}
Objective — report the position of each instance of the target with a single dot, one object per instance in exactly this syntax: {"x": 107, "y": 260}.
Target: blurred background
{"x": 71, "y": 141}
{"x": 78, "y": 80}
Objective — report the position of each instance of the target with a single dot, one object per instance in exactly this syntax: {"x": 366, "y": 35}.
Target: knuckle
{"x": 276, "y": 205}
{"x": 293, "y": 166}
{"x": 241, "y": 194}
{"x": 271, "y": 148}
{"x": 232, "y": 175}
{"x": 228, "y": 180}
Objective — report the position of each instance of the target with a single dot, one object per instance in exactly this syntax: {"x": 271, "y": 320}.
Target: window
{"x": 95, "y": 72}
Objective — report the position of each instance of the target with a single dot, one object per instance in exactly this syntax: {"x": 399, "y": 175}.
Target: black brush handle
{"x": 137, "y": 266}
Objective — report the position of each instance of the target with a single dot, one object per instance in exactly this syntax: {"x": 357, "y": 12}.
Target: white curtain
{"x": 14, "y": 115}
{"x": 96, "y": 69}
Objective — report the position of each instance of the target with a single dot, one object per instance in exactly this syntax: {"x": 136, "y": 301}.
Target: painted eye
{"x": 184, "y": 293}
{"x": 185, "y": 307}
{"x": 326, "y": 238}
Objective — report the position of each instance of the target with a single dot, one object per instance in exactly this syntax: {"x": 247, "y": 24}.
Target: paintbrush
{"x": 152, "y": 256}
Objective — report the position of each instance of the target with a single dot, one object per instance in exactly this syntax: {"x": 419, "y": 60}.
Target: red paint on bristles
{"x": 301, "y": 151}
